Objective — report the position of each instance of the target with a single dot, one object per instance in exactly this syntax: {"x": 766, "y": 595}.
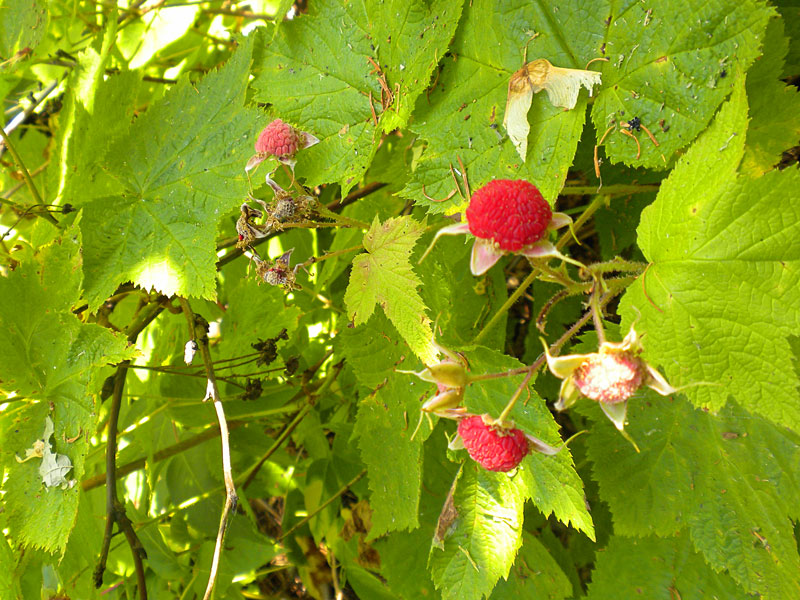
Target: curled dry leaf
{"x": 562, "y": 87}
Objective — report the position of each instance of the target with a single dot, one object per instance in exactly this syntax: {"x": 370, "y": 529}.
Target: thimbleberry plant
{"x": 420, "y": 299}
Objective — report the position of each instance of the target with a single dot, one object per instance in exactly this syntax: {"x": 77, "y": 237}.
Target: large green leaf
{"x": 462, "y": 116}
{"x": 384, "y": 276}
{"x": 50, "y": 359}
{"x": 729, "y": 479}
{"x": 316, "y": 67}
{"x": 722, "y": 293}
{"x": 671, "y": 65}
{"x": 23, "y": 24}
{"x": 179, "y": 171}
{"x": 657, "y": 569}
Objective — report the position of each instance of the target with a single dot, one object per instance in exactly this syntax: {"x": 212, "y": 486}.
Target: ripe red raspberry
{"x": 279, "y": 139}
{"x": 511, "y": 213}
{"x": 493, "y": 447}
{"x": 609, "y": 377}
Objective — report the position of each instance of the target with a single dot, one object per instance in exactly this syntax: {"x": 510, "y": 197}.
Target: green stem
{"x": 506, "y": 305}
{"x": 609, "y": 190}
{"x": 34, "y": 192}
{"x": 595, "y": 204}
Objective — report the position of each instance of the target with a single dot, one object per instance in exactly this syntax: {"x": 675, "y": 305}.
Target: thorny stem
{"x": 198, "y": 332}
{"x": 115, "y": 510}
{"x": 27, "y": 176}
{"x": 597, "y": 313}
{"x": 324, "y": 505}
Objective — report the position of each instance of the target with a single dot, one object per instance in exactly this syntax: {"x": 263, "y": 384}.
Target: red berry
{"x": 279, "y": 139}
{"x": 512, "y": 213}
{"x": 494, "y": 448}
{"x": 609, "y": 377}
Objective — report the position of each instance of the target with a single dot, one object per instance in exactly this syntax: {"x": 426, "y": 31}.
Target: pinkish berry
{"x": 279, "y": 139}
{"x": 275, "y": 276}
{"x": 494, "y": 448}
{"x": 609, "y": 377}
{"x": 511, "y": 213}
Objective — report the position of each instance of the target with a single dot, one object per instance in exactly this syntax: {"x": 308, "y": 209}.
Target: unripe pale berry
{"x": 609, "y": 377}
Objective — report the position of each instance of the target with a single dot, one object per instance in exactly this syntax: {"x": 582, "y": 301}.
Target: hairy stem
{"x": 27, "y": 176}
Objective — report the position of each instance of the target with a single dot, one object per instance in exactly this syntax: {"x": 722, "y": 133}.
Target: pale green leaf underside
{"x": 316, "y": 74}
{"x": 462, "y": 116}
{"x": 384, "y": 276}
{"x": 725, "y": 478}
{"x": 657, "y": 569}
{"x": 179, "y": 171}
{"x": 485, "y": 535}
{"x": 725, "y": 276}
{"x": 671, "y": 65}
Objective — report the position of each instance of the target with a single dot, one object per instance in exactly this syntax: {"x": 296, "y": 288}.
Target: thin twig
{"x": 198, "y": 332}
{"x": 324, "y": 505}
{"x": 27, "y": 176}
{"x": 115, "y": 510}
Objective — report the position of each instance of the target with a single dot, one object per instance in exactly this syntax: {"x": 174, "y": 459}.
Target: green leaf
{"x": 48, "y": 356}
{"x": 384, "y": 275}
{"x": 386, "y": 419}
{"x": 723, "y": 477}
{"x": 657, "y": 569}
{"x": 671, "y": 66}
{"x": 385, "y": 422}
{"x": 9, "y": 586}
{"x": 774, "y": 106}
{"x": 535, "y": 575}
{"x": 484, "y": 537}
{"x": 550, "y": 481}
{"x": 462, "y": 116}
{"x": 722, "y": 292}
{"x": 317, "y": 65}
{"x": 23, "y": 24}
{"x": 178, "y": 172}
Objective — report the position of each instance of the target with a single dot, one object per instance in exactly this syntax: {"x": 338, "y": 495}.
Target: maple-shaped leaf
{"x": 658, "y": 569}
{"x": 320, "y": 74}
{"x": 479, "y": 533}
{"x": 723, "y": 291}
{"x": 179, "y": 170}
{"x": 774, "y": 106}
{"x": 384, "y": 276}
{"x": 461, "y": 117}
{"x": 727, "y": 479}
{"x": 671, "y": 65}
{"x": 49, "y": 359}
